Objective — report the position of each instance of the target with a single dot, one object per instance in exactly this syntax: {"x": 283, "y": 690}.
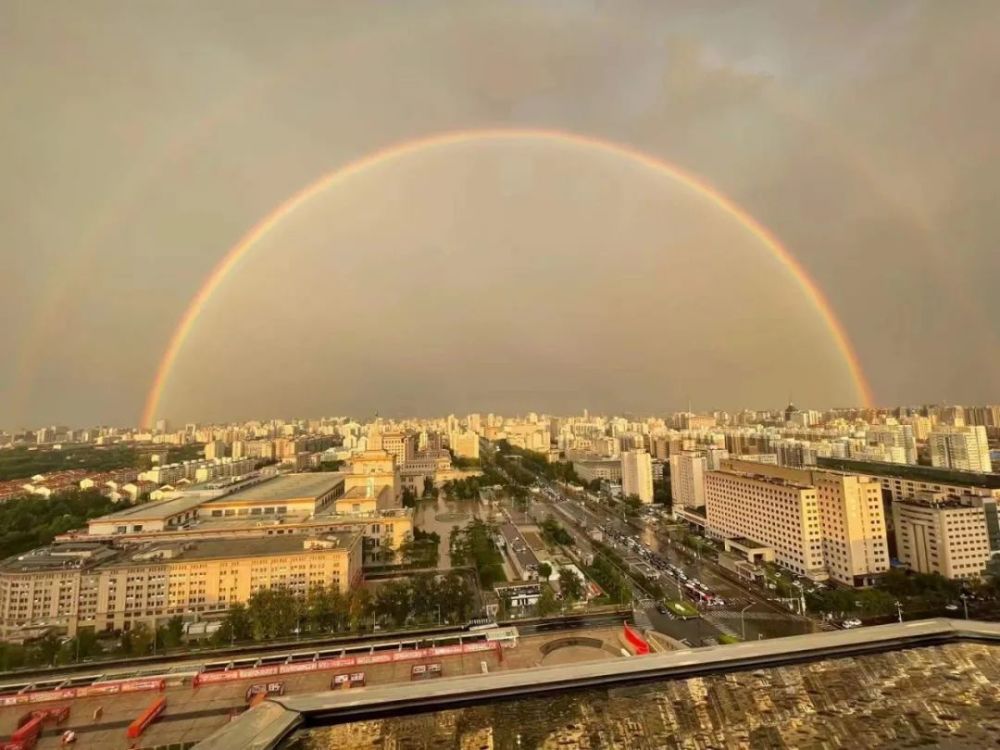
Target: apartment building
{"x": 963, "y": 448}
{"x": 637, "y": 475}
{"x": 945, "y": 534}
{"x": 769, "y": 511}
{"x": 687, "y": 479}
{"x": 94, "y": 585}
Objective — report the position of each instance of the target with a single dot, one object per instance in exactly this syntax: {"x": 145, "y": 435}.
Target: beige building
{"x": 687, "y": 479}
{"x": 637, "y": 475}
{"x": 945, "y": 534}
{"x": 92, "y": 585}
{"x": 606, "y": 469}
{"x": 464, "y": 444}
{"x": 378, "y": 466}
{"x": 402, "y": 445}
{"x": 770, "y": 511}
{"x": 852, "y": 519}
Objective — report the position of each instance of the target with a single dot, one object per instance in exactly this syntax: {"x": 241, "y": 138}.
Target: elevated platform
{"x": 263, "y": 731}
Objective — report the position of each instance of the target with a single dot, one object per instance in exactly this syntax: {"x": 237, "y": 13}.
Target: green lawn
{"x": 726, "y": 638}
{"x": 681, "y": 609}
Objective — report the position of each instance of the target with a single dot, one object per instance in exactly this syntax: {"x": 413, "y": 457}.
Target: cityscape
{"x": 477, "y": 375}
{"x": 543, "y": 533}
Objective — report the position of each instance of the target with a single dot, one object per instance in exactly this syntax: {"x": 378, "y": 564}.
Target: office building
{"x": 852, "y": 519}
{"x": 944, "y": 534}
{"x": 760, "y": 511}
{"x": 637, "y": 475}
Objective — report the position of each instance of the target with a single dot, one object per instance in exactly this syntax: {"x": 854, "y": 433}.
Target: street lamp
{"x": 965, "y": 604}
{"x": 899, "y": 610}
{"x": 743, "y": 621}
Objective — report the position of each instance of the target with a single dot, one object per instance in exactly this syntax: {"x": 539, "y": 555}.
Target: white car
{"x": 852, "y": 623}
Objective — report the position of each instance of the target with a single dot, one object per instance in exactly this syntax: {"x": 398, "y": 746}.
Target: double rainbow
{"x": 452, "y": 138}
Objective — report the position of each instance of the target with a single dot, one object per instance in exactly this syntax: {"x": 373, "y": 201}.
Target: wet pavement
{"x": 743, "y": 611}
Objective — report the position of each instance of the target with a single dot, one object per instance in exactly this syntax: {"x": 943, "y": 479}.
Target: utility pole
{"x": 743, "y": 620}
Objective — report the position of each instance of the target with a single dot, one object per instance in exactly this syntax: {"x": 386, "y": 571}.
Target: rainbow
{"x": 456, "y": 137}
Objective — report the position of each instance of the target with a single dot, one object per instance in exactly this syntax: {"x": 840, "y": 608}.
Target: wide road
{"x": 745, "y": 612}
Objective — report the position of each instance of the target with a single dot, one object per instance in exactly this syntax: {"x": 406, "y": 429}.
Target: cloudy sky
{"x": 141, "y": 141}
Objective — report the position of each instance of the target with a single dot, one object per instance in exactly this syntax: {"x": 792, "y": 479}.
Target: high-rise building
{"x": 895, "y": 436}
{"x": 687, "y": 479}
{"x": 637, "y": 475}
{"x": 963, "y": 448}
{"x": 945, "y": 534}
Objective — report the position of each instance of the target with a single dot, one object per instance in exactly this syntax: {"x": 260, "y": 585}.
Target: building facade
{"x": 637, "y": 475}
{"x": 944, "y": 534}
{"x": 687, "y": 479}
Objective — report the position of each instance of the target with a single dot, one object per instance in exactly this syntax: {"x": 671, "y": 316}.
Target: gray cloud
{"x": 140, "y": 142}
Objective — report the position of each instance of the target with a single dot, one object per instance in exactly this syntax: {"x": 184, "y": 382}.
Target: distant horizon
{"x": 635, "y": 415}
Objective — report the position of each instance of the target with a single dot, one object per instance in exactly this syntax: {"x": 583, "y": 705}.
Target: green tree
{"x": 544, "y": 571}
{"x": 139, "y": 640}
{"x": 570, "y": 586}
{"x": 547, "y": 603}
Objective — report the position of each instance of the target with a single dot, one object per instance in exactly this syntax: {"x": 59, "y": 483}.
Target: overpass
{"x": 264, "y": 727}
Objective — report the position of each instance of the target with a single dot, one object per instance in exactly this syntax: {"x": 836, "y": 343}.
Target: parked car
{"x": 851, "y": 623}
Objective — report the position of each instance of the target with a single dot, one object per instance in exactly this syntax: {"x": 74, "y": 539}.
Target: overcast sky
{"x": 140, "y": 141}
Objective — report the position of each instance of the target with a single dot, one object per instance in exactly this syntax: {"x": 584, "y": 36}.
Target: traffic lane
{"x": 692, "y": 631}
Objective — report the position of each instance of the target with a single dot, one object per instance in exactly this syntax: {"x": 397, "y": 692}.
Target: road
{"x": 745, "y": 613}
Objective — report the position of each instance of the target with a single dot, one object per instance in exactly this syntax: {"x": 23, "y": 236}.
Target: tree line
{"x": 29, "y": 522}
{"x": 280, "y": 613}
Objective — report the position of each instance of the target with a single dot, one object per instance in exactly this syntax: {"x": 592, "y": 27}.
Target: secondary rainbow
{"x": 456, "y": 137}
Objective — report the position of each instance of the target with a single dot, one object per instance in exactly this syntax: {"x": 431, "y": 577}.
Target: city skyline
{"x": 550, "y": 205}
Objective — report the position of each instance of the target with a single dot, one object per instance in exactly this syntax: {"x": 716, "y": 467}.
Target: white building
{"x": 964, "y": 448}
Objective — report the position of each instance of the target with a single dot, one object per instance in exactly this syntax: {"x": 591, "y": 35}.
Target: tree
{"x": 547, "y": 603}
{"x": 570, "y": 585}
{"x": 48, "y": 647}
{"x": 632, "y": 505}
{"x": 544, "y": 571}
{"x": 139, "y": 640}
{"x": 273, "y": 613}
{"x": 429, "y": 489}
{"x": 360, "y": 607}
{"x": 170, "y": 635}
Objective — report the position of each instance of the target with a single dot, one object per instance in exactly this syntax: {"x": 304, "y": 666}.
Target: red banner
{"x": 385, "y": 657}
{"x": 637, "y": 641}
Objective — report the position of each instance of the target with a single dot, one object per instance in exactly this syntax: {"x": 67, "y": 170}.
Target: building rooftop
{"x": 214, "y": 549}
{"x": 60, "y": 557}
{"x": 911, "y": 472}
{"x": 287, "y": 487}
{"x": 764, "y": 479}
{"x": 156, "y": 510}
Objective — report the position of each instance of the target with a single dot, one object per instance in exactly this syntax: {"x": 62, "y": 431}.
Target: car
{"x": 661, "y": 608}
{"x": 951, "y": 607}
{"x": 851, "y": 623}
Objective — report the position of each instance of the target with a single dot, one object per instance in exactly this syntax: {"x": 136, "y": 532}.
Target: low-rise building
{"x": 96, "y": 585}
